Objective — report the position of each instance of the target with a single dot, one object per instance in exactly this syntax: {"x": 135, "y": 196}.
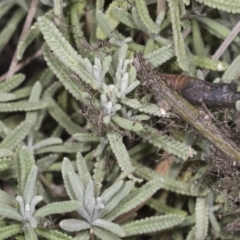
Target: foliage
{"x": 140, "y": 170}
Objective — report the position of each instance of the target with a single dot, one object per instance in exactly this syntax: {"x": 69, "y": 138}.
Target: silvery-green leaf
{"x": 29, "y": 189}
{"x": 6, "y": 198}
{"x": 72, "y": 225}
{"x": 132, "y": 87}
{"x": 47, "y": 142}
{"x": 83, "y": 171}
{"x": 9, "y": 212}
{"x": 77, "y": 186}
{"x": 4, "y": 152}
{"x": 104, "y": 234}
{"x": 34, "y": 202}
{"x": 110, "y": 226}
{"x": 57, "y": 207}
{"x": 29, "y": 233}
{"x": 109, "y": 192}
{"x": 66, "y": 168}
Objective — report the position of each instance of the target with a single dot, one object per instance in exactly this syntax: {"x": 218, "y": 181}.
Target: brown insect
{"x": 197, "y": 91}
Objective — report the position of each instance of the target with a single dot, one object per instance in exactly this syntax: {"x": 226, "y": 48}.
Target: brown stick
{"x": 197, "y": 119}
{"x": 23, "y": 64}
{"x": 225, "y": 44}
{"x": 26, "y": 26}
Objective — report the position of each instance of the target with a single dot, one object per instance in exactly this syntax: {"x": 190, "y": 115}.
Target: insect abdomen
{"x": 197, "y": 91}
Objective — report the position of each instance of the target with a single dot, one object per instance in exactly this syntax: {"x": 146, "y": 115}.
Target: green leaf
{"x": 76, "y": 12}
{"x": 57, "y": 208}
{"x": 22, "y": 106}
{"x": 144, "y": 172}
{"x": 163, "y": 208}
{"x": 111, "y": 191}
{"x": 9, "y": 212}
{"x": 51, "y": 90}
{"x": 5, "y": 7}
{"x": 52, "y": 234}
{"x": 12, "y": 140}
{"x": 127, "y": 124}
{"x": 6, "y": 198}
{"x": 191, "y": 234}
{"x": 110, "y": 17}
{"x": 29, "y": 189}
{"x": 170, "y": 145}
{"x": 120, "y": 151}
{"x": 208, "y": 63}
{"x": 103, "y": 23}
{"x": 5, "y": 97}
{"x": 216, "y": 28}
{"x": 117, "y": 198}
{"x": 201, "y": 214}
{"x": 64, "y": 51}
{"x": 9, "y": 231}
{"x": 71, "y": 147}
{"x": 35, "y": 98}
{"x": 232, "y": 71}
{"x": 152, "y": 224}
{"x": 109, "y": 226}
{"x": 83, "y": 235}
{"x": 10, "y": 27}
{"x": 124, "y": 17}
{"x": 170, "y": 184}
{"x": 47, "y": 142}
{"x": 99, "y": 171}
{"x": 12, "y": 83}
{"x": 62, "y": 118}
{"x": 232, "y": 6}
{"x": 86, "y": 137}
{"x": 32, "y": 33}
{"x": 58, "y": 69}
{"x": 77, "y": 186}
{"x": 29, "y": 233}
{"x": 66, "y": 169}
{"x": 5, "y": 163}
{"x": 161, "y": 55}
{"x": 136, "y": 198}
{"x": 72, "y": 225}
{"x": 25, "y": 162}
{"x": 177, "y": 35}
{"x": 45, "y": 162}
{"x": 145, "y": 18}
{"x": 151, "y": 109}
{"x": 46, "y": 77}
{"x": 104, "y": 234}
{"x": 83, "y": 171}
{"x": 197, "y": 39}
{"x": 23, "y": 92}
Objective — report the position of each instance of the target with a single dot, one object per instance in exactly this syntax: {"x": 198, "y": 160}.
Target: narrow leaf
{"x": 64, "y": 51}
{"x": 201, "y": 214}
{"x": 109, "y": 226}
{"x": 9, "y": 212}
{"x": 136, "y": 198}
{"x": 177, "y": 35}
{"x": 52, "y": 234}
{"x": 72, "y": 225}
{"x": 9, "y": 231}
{"x": 12, "y": 83}
{"x": 104, "y": 234}
{"x": 61, "y": 117}
{"x": 152, "y": 224}
{"x": 57, "y": 207}
{"x": 83, "y": 171}
{"x": 121, "y": 154}
{"x": 232, "y": 6}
